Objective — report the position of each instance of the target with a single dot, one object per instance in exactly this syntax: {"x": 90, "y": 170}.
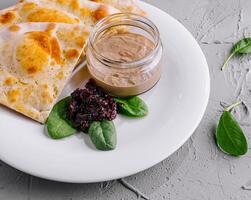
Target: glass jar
{"x": 125, "y": 77}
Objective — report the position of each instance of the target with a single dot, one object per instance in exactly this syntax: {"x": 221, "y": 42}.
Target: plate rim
{"x": 164, "y": 156}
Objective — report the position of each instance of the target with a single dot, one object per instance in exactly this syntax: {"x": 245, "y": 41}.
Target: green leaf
{"x": 103, "y": 135}
{"x": 132, "y": 106}
{"x": 58, "y": 125}
{"x": 241, "y": 47}
{"x": 230, "y": 137}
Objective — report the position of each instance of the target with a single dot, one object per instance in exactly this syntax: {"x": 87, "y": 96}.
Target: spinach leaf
{"x": 132, "y": 106}
{"x": 230, "y": 137}
{"x": 241, "y": 47}
{"x": 103, "y": 135}
{"x": 58, "y": 125}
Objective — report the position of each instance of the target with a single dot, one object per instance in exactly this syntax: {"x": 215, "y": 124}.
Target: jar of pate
{"x": 124, "y": 54}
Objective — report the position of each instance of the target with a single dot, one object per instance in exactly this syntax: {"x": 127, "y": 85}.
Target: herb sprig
{"x": 230, "y": 138}
{"x": 240, "y": 48}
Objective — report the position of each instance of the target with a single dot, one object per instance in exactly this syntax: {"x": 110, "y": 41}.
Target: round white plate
{"x": 176, "y": 106}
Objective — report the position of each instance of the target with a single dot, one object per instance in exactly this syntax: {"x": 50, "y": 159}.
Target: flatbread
{"x": 9, "y": 16}
{"x": 128, "y": 6}
{"x": 36, "y": 60}
{"x": 61, "y": 11}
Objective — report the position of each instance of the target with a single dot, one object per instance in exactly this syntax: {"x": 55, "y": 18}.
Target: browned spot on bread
{"x": 14, "y": 28}
{"x": 42, "y": 40}
{"x": 50, "y": 15}
{"x": 77, "y": 20}
{"x": 52, "y": 48}
{"x": 9, "y": 81}
{"x": 130, "y": 7}
{"x": 60, "y": 75}
{"x": 80, "y": 41}
{"x": 75, "y": 4}
{"x": 62, "y": 2}
{"x": 72, "y": 54}
{"x": 50, "y": 27}
{"x": 55, "y": 50}
{"x": 55, "y": 90}
{"x": 28, "y": 6}
{"x": 100, "y": 13}
{"x": 85, "y": 12}
{"x": 7, "y": 17}
{"x": 76, "y": 29}
{"x": 33, "y": 52}
{"x": 45, "y": 86}
{"x": 33, "y": 69}
{"x": 12, "y": 95}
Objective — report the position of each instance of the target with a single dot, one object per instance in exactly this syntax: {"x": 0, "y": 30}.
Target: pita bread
{"x": 87, "y": 11}
{"x": 36, "y": 60}
{"x": 61, "y": 11}
{"x": 130, "y": 6}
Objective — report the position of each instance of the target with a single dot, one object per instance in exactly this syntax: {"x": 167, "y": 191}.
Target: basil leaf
{"x": 241, "y": 47}
{"x": 230, "y": 137}
{"x": 103, "y": 135}
{"x": 58, "y": 125}
{"x": 132, "y": 106}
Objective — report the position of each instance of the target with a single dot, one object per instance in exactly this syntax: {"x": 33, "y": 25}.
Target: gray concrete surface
{"x": 197, "y": 171}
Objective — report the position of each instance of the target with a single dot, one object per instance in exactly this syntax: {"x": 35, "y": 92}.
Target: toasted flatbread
{"x": 87, "y": 11}
{"x": 36, "y": 60}
{"x": 61, "y": 11}
{"x": 128, "y": 6}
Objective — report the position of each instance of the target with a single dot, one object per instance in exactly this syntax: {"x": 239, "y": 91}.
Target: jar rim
{"x": 101, "y": 27}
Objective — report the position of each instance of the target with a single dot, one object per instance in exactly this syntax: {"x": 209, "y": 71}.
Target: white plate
{"x": 176, "y": 105}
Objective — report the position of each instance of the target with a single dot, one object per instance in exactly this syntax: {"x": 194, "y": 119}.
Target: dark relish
{"x": 90, "y": 104}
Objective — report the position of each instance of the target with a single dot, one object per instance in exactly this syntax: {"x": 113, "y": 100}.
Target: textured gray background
{"x": 197, "y": 171}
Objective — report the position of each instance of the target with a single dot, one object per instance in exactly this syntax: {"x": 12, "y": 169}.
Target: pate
{"x": 123, "y": 62}
{"x": 124, "y": 47}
